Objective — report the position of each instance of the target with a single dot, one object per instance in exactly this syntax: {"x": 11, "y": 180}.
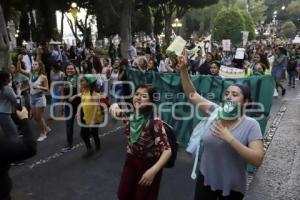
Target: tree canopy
{"x": 228, "y": 25}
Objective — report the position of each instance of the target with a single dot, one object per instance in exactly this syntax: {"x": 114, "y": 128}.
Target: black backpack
{"x": 172, "y": 141}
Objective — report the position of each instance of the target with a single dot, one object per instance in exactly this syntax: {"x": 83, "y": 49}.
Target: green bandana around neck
{"x": 257, "y": 72}
{"x": 229, "y": 111}
{"x": 34, "y": 77}
{"x": 73, "y": 80}
{"x": 137, "y": 124}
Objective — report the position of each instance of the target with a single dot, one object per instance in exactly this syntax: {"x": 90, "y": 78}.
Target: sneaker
{"x": 293, "y": 86}
{"x": 66, "y": 149}
{"x": 42, "y": 138}
{"x": 283, "y": 92}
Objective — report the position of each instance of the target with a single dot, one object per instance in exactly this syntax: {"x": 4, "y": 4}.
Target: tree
{"x": 257, "y": 8}
{"x": 249, "y": 24}
{"x": 293, "y": 10}
{"x": 171, "y": 9}
{"x": 289, "y": 29}
{"x": 228, "y": 25}
{"x": 200, "y": 19}
{"x": 4, "y": 42}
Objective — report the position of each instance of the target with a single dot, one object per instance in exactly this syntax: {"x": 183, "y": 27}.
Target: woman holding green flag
{"x": 147, "y": 152}
{"x": 231, "y": 142}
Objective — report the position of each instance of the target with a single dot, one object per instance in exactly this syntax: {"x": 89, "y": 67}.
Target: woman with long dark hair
{"x": 147, "y": 151}
{"x": 8, "y": 101}
{"x": 232, "y": 141}
{"x": 70, "y": 90}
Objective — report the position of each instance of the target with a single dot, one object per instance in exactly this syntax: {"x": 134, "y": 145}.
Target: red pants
{"x": 133, "y": 170}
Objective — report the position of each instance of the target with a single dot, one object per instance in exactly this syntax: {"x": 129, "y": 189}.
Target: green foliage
{"x": 13, "y": 56}
{"x": 102, "y": 52}
{"x": 289, "y": 29}
{"x": 293, "y": 10}
{"x": 200, "y": 19}
{"x": 228, "y": 25}
{"x": 257, "y": 8}
{"x": 249, "y": 24}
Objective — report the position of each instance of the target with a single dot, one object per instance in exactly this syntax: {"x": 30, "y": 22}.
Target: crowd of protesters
{"x": 77, "y": 75}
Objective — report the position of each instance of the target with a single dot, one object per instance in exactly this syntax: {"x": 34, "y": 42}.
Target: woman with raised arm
{"x": 232, "y": 141}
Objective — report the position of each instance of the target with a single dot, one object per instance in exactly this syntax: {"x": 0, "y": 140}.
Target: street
{"x": 51, "y": 175}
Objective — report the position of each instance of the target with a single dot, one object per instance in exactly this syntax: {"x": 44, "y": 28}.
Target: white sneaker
{"x": 42, "y": 138}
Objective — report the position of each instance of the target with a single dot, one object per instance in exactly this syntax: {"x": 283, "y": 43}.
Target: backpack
{"x": 172, "y": 141}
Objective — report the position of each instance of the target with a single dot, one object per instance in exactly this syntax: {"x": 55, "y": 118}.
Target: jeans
{"x": 70, "y": 125}
{"x": 292, "y": 77}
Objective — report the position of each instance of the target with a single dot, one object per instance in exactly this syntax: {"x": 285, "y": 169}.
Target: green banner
{"x": 178, "y": 114}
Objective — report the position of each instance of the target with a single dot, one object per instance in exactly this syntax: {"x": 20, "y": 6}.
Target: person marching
{"x": 72, "y": 104}
{"x": 232, "y": 141}
{"x": 147, "y": 152}
{"x": 91, "y": 114}
{"x": 38, "y": 83}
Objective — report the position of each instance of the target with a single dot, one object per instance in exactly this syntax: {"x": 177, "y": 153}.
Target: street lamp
{"x": 177, "y": 24}
{"x": 283, "y": 7}
{"x": 74, "y": 11}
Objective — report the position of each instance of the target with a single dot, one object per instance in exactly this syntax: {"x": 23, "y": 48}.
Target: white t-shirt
{"x": 27, "y": 62}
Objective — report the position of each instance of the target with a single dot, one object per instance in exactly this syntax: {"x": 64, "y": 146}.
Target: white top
{"x": 27, "y": 62}
{"x": 34, "y": 84}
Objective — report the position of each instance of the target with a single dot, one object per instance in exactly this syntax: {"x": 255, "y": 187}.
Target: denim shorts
{"x": 38, "y": 102}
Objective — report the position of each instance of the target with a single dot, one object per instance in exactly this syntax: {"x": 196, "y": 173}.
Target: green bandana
{"x": 137, "y": 124}
{"x": 34, "y": 77}
{"x": 229, "y": 111}
{"x": 72, "y": 80}
{"x": 257, "y": 72}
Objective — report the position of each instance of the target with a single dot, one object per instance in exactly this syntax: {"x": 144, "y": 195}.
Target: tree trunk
{"x": 62, "y": 26}
{"x": 126, "y": 27}
{"x": 168, "y": 29}
{"x": 4, "y": 43}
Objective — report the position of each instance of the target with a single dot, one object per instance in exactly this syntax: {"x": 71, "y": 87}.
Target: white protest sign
{"x": 177, "y": 46}
{"x": 296, "y": 40}
{"x": 226, "y": 45}
{"x": 240, "y": 53}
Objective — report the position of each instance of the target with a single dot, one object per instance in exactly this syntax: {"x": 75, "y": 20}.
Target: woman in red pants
{"x": 147, "y": 152}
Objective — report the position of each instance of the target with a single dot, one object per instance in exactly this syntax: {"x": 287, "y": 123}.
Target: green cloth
{"x": 72, "y": 80}
{"x": 34, "y": 77}
{"x": 91, "y": 78}
{"x": 137, "y": 124}
{"x": 257, "y": 72}
{"x": 229, "y": 111}
{"x": 172, "y": 99}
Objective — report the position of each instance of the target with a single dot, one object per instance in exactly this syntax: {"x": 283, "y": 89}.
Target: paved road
{"x": 51, "y": 175}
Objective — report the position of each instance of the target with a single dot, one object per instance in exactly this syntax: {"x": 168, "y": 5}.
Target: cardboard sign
{"x": 240, "y": 53}
{"x": 177, "y": 46}
{"x": 226, "y": 44}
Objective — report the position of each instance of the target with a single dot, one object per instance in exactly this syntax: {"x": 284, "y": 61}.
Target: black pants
{"x": 205, "y": 193}
{"x": 86, "y": 133}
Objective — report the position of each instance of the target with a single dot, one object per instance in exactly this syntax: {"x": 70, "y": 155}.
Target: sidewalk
{"x": 278, "y": 178}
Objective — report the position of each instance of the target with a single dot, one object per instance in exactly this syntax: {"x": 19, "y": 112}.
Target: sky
{"x": 68, "y": 35}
